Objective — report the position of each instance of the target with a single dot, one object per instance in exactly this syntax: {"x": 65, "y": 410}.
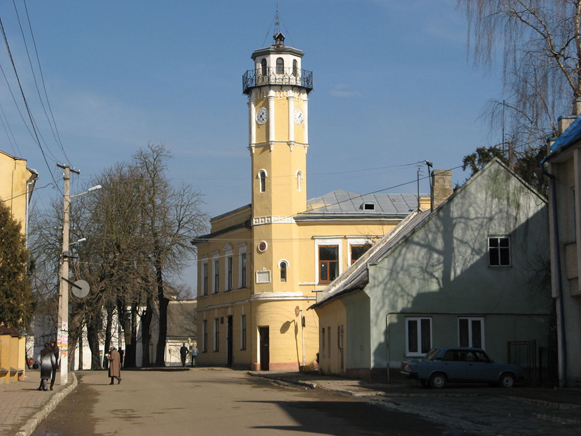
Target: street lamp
{"x": 63, "y": 315}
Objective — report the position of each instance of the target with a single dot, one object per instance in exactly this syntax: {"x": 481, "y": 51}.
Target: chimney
{"x": 441, "y": 186}
{"x": 564, "y": 123}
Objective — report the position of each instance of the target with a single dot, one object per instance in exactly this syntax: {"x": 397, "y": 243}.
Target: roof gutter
{"x": 563, "y": 341}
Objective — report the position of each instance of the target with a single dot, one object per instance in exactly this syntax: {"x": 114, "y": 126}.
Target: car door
{"x": 454, "y": 364}
{"x": 479, "y": 367}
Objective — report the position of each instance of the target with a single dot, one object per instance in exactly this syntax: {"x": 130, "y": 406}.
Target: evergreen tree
{"x": 16, "y": 303}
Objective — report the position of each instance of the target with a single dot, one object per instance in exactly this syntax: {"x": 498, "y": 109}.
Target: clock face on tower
{"x": 299, "y": 117}
{"x": 262, "y": 116}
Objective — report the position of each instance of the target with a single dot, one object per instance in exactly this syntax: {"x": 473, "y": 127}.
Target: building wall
{"x": 567, "y": 171}
{"x": 14, "y": 176}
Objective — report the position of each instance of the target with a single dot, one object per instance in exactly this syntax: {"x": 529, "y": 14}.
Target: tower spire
{"x": 278, "y": 35}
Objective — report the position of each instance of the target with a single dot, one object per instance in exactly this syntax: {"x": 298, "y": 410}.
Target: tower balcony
{"x": 277, "y": 76}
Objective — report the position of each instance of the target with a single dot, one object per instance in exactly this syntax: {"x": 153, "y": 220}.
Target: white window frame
{"x": 470, "y": 321}
{"x": 499, "y": 257}
{"x": 280, "y": 263}
{"x": 228, "y": 268}
{"x": 359, "y": 241}
{"x": 241, "y": 267}
{"x": 328, "y": 241}
{"x": 417, "y": 320}
{"x": 262, "y": 180}
{"x": 323, "y": 350}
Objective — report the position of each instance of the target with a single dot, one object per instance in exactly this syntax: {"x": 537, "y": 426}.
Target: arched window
{"x": 280, "y": 66}
{"x": 295, "y": 68}
{"x": 263, "y": 64}
{"x": 283, "y": 270}
{"x": 262, "y": 178}
{"x": 299, "y": 177}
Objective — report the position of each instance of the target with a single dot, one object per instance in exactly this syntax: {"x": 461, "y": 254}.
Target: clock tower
{"x": 277, "y": 90}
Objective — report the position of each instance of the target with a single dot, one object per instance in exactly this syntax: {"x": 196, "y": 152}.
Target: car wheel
{"x": 438, "y": 381}
{"x": 506, "y": 380}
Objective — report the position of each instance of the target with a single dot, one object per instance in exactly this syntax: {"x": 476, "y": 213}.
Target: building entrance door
{"x": 264, "y": 349}
{"x": 229, "y": 340}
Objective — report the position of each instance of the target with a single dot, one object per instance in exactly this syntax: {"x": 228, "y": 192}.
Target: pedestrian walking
{"x": 114, "y": 365}
{"x": 183, "y": 353}
{"x": 56, "y": 351}
{"x": 46, "y": 362}
{"x": 194, "y": 355}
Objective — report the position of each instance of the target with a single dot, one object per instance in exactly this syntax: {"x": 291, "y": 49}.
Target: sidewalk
{"x": 23, "y": 406}
{"x": 561, "y": 404}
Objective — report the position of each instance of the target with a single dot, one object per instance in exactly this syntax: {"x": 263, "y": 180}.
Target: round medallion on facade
{"x": 262, "y": 115}
{"x": 262, "y": 246}
{"x": 299, "y": 117}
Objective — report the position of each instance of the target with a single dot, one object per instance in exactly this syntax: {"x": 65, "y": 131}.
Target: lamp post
{"x": 63, "y": 315}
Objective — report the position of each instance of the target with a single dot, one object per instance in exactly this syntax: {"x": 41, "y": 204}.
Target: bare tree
{"x": 538, "y": 43}
{"x": 172, "y": 217}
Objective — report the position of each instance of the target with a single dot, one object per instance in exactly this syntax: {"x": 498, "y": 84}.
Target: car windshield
{"x": 432, "y": 354}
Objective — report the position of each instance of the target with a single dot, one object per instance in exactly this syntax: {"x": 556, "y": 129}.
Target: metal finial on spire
{"x": 278, "y": 35}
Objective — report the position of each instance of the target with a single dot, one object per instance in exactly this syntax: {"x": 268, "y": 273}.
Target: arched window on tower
{"x": 299, "y": 177}
{"x": 262, "y": 178}
{"x": 263, "y": 65}
{"x": 280, "y": 66}
{"x": 295, "y": 68}
{"x": 283, "y": 264}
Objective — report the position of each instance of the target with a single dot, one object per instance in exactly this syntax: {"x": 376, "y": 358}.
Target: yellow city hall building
{"x": 16, "y": 186}
{"x": 262, "y": 264}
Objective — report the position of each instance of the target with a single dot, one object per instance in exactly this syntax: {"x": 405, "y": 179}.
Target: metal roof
{"x": 345, "y": 202}
{"x": 572, "y": 134}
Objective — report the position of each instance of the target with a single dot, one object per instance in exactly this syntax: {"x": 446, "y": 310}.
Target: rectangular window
{"x": 471, "y": 332}
{"x": 204, "y": 336}
{"x": 357, "y": 251}
{"x": 323, "y": 349}
{"x": 499, "y": 251}
{"x": 216, "y": 334}
{"x": 328, "y": 263}
{"x": 243, "y": 332}
{"x": 243, "y": 270}
{"x": 229, "y": 273}
{"x": 216, "y": 276}
{"x": 418, "y": 336}
{"x": 205, "y": 278}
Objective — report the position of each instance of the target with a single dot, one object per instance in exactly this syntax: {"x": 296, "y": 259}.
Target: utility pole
{"x": 63, "y": 315}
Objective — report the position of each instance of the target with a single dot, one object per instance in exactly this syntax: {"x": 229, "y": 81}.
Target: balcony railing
{"x": 277, "y": 76}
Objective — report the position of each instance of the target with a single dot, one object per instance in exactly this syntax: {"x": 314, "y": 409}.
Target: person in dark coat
{"x": 114, "y": 365}
{"x": 56, "y": 351}
{"x": 46, "y": 361}
{"x": 183, "y": 353}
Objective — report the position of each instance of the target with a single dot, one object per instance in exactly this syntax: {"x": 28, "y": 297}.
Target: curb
{"x": 32, "y": 423}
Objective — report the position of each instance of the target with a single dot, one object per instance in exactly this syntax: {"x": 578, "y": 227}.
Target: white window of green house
{"x": 205, "y": 277}
{"x": 498, "y": 251}
{"x": 243, "y": 332}
{"x": 418, "y": 336}
{"x": 216, "y": 334}
{"x": 471, "y": 332}
{"x": 205, "y": 336}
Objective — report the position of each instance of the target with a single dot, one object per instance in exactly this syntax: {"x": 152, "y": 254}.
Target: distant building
{"x": 261, "y": 265}
{"x": 469, "y": 274}
{"x": 564, "y": 169}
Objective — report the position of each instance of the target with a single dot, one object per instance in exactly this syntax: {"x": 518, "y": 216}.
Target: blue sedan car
{"x": 443, "y": 365}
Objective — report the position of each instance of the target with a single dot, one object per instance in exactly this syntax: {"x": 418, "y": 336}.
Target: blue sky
{"x": 393, "y": 85}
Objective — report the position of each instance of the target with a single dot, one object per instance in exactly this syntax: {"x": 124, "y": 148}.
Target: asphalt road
{"x": 218, "y": 402}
